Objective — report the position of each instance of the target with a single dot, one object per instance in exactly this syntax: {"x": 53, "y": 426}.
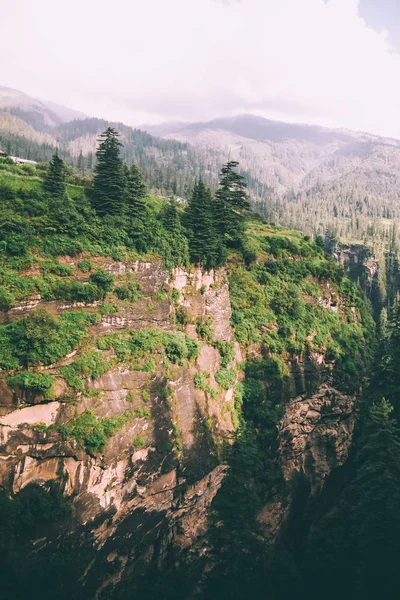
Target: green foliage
{"x": 38, "y": 383}
{"x": 277, "y": 302}
{"x": 204, "y": 243}
{"x": 203, "y": 329}
{"x": 6, "y": 299}
{"x": 142, "y": 413}
{"x": 128, "y": 292}
{"x": 53, "y": 266}
{"x": 42, "y": 338}
{"x": 231, "y": 200}
{"x": 143, "y": 344}
{"x": 107, "y": 309}
{"x": 91, "y": 432}
{"x": 200, "y": 380}
{"x": 54, "y": 182}
{"x": 109, "y": 179}
{"x": 85, "y": 265}
{"x": 139, "y": 442}
{"x": 89, "y": 365}
{"x": 226, "y": 351}
{"x": 136, "y": 191}
{"x": 103, "y": 280}
{"x": 226, "y": 378}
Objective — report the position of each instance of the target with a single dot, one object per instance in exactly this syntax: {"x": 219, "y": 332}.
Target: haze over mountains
{"x": 303, "y": 176}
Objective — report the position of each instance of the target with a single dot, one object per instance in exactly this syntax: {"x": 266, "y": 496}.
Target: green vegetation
{"x": 226, "y": 352}
{"x": 140, "y": 344}
{"x": 280, "y": 303}
{"x": 139, "y": 442}
{"x": 85, "y": 265}
{"x": 91, "y": 432}
{"x": 225, "y": 378}
{"x": 37, "y": 383}
{"x": 128, "y": 292}
{"x": 42, "y": 338}
{"x": 89, "y": 365}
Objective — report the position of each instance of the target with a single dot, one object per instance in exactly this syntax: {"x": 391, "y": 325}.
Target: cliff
{"x": 122, "y": 409}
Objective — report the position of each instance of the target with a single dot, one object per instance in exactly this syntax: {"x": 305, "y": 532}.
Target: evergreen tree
{"x": 176, "y": 245}
{"x": 205, "y": 246}
{"x": 81, "y": 163}
{"x": 54, "y": 182}
{"x": 359, "y": 539}
{"x": 375, "y": 510}
{"x": 109, "y": 184}
{"x": 136, "y": 191}
{"x": 230, "y": 200}
{"x": 386, "y": 380}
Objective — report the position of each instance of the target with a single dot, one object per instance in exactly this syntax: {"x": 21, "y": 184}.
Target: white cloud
{"x": 305, "y": 60}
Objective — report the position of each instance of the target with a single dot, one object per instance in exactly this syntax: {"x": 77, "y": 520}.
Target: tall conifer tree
{"x": 54, "y": 182}
{"x": 204, "y": 244}
{"x": 231, "y": 200}
{"x": 136, "y": 191}
{"x": 109, "y": 184}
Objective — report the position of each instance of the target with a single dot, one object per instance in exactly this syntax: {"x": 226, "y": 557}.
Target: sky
{"x": 330, "y": 62}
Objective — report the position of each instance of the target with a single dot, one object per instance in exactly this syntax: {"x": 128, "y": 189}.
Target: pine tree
{"x": 205, "y": 246}
{"x": 386, "y": 380}
{"x": 176, "y": 250}
{"x": 359, "y": 539}
{"x": 81, "y": 163}
{"x": 231, "y": 200}
{"x": 375, "y": 515}
{"x": 54, "y": 182}
{"x": 109, "y": 184}
{"x": 136, "y": 191}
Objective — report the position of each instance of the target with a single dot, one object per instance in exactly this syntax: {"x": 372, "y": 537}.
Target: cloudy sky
{"x": 331, "y": 62}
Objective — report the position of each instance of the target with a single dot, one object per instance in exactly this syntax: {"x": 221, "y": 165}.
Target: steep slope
{"x": 123, "y": 384}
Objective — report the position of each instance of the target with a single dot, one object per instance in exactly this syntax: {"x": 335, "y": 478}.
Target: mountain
{"x": 284, "y": 156}
{"x": 304, "y": 176}
{"x": 41, "y": 115}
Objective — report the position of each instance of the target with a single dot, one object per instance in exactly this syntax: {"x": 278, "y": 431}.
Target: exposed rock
{"x": 316, "y": 433}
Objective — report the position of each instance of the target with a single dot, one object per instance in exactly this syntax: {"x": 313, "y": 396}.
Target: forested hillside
{"x": 305, "y": 177}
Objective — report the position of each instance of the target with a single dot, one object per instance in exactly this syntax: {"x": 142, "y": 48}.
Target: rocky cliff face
{"x": 148, "y": 489}
{"x": 160, "y": 470}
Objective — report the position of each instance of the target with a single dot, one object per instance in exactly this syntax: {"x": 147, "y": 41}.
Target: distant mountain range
{"x": 40, "y": 114}
{"x": 304, "y": 176}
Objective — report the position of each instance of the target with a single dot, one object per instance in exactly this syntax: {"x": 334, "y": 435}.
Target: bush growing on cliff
{"x": 42, "y": 338}
{"x": 91, "y": 432}
{"x": 90, "y": 365}
{"x": 38, "y": 383}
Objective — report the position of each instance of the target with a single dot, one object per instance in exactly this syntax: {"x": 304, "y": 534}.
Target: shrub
{"x": 139, "y": 442}
{"x": 89, "y": 365}
{"x": 90, "y": 432}
{"x": 42, "y": 338}
{"x": 85, "y": 265}
{"x": 51, "y": 266}
{"x": 128, "y": 292}
{"x": 38, "y": 383}
{"x": 6, "y": 299}
{"x": 226, "y": 351}
{"x": 103, "y": 280}
{"x": 226, "y": 378}
{"x": 203, "y": 329}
